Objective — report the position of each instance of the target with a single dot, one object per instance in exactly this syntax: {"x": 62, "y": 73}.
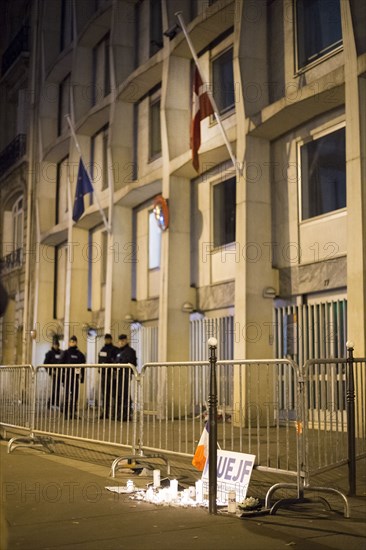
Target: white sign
{"x": 233, "y": 474}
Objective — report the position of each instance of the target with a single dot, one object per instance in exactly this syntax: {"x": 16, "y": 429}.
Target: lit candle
{"x": 199, "y": 491}
{"x": 156, "y": 475}
{"x": 174, "y": 488}
{"x": 231, "y": 502}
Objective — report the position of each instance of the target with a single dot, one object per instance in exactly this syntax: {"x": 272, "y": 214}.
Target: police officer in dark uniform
{"x": 52, "y": 357}
{"x": 106, "y": 355}
{"x": 125, "y": 354}
{"x": 72, "y": 377}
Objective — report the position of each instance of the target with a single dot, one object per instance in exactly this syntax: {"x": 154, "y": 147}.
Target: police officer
{"x": 125, "y": 354}
{"x": 106, "y": 355}
{"x": 72, "y": 377}
{"x": 52, "y": 357}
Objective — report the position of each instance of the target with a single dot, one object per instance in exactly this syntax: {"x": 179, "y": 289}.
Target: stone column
{"x": 355, "y": 94}
{"x": 120, "y": 255}
{"x": 253, "y": 312}
{"x": 175, "y": 251}
{"x": 355, "y": 107}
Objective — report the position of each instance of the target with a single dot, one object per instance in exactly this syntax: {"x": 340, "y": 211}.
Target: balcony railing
{"x": 13, "y": 152}
{"x": 19, "y": 44}
{"x": 11, "y": 261}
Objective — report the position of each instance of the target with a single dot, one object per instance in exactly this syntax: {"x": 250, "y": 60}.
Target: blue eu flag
{"x": 83, "y": 186}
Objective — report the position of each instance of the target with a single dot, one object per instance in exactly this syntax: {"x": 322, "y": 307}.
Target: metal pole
{"x": 95, "y": 194}
{"x": 212, "y": 419}
{"x": 351, "y": 422}
{"x": 209, "y": 93}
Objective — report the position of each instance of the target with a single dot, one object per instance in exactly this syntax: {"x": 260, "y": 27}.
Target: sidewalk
{"x": 53, "y": 502}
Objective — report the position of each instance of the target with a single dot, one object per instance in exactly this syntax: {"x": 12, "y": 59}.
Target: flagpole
{"x": 209, "y": 93}
{"x": 106, "y": 224}
{"x": 68, "y": 265}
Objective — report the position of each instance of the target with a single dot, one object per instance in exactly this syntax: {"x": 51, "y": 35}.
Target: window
{"x": 101, "y": 71}
{"x": 17, "y": 214}
{"x": 223, "y": 81}
{"x": 323, "y": 174}
{"x": 63, "y": 104}
{"x": 154, "y": 242}
{"x": 104, "y": 257}
{"x": 100, "y": 3}
{"x": 60, "y": 281}
{"x": 224, "y": 201}
{"x": 62, "y": 190}
{"x": 319, "y": 31}
{"x": 99, "y": 159}
{"x": 155, "y": 130}
{"x": 97, "y": 268}
{"x": 12, "y": 234}
{"x": 66, "y": 24}
{"x": 156, "y": 27}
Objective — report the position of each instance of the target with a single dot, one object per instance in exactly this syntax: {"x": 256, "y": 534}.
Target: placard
{"x": 233, "y": 474}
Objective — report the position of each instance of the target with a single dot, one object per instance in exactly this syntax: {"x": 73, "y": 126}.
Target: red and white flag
{"x": 201, "y": 454}
{"x": 201, "y": 108}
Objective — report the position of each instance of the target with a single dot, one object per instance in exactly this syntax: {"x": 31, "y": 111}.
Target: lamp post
{"x": 351, "y": 421}
{"x": 212, "y": 419}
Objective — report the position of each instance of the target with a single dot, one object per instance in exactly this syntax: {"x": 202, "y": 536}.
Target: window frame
{"x": 106, "y": 90}
{"x": 64, "y": 43}
{"x": 299, "y": 69}
{"x": 61, "y": 124}
{"x": 314, "y": 136}
{"x": 16, "y": 215}
{"x": 58, "y": 217}
{"x": 213, "y": 185}
{"x": 150, "y": 214}
{"x": 105, "y": 131}
{"x": 61, "y": 246}
{"x": 154, "y": 99}
{"x": 215, "y": 53}
{"x": 94, "y": 270}
{"x": 154, "y": 45}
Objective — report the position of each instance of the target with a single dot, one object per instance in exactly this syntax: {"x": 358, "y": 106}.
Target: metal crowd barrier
{"x": 16, "y": 396}
{"x": 294, "y": 420}
{"x": 87, "y": 402}
{"x": 328, "y": 398}
{"x": 174, "y": 409}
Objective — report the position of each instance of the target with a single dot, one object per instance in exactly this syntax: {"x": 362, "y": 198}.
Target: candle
{"x": 174, "y": 488}
{"x": 231, "y": 502}
{"x": 199, "y": 491}
{"x": 156, "y": 474}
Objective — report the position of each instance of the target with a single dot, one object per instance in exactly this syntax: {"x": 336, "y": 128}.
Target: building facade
{"x": 267, "y": 255}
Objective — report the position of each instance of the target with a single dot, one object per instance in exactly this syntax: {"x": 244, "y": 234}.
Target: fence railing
{"x": 294, "y": 420}
{"x": 174, "y": 409}
{"x": 88, "y": 402}
{"x": 16, "y": 396}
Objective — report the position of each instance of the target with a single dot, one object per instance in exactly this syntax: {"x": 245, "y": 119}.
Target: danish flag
{"x": 201, "y": 108}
